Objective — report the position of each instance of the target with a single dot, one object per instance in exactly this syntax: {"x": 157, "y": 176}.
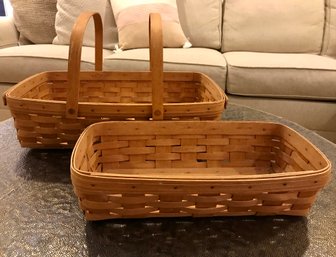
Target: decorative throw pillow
{"x": 35, "y": 20}
{"x": 68, "y": 12}
{"x": 131, "y": 17}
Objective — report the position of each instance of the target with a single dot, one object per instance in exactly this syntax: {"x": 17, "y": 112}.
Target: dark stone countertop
{"x": 39, "y": 214}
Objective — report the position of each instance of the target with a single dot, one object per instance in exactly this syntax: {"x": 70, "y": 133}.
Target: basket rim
{"x": 238, "y": 178}
{"x": 12, "y": 94}
{"x": 29, "y": 100}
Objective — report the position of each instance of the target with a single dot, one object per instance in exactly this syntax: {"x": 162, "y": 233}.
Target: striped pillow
{"x": 131, "y": 17}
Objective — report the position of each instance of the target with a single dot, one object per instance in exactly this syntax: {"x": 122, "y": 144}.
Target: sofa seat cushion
{"x": 20, "y": 62}
{"x": 207, "y": 61}
{"x": 296, "y": 76}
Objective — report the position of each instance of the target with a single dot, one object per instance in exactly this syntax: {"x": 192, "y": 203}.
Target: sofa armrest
{"x": 9, "y": 36}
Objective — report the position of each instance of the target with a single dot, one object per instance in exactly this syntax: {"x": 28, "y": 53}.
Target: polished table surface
{"x": 39, "y": 214}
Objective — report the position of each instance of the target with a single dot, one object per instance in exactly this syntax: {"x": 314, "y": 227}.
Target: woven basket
{"x": 51, "y": 109}
{"x": 195, "y": 168}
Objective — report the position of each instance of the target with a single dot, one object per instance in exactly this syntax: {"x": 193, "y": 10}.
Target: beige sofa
{"x": 278, "y": 56}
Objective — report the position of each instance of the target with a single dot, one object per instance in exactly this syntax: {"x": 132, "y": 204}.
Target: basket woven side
{"x": 179, "y": 87}
{"x": 174, "y": 169}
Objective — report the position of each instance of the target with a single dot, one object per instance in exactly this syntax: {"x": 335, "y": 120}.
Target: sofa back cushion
{"x": 329, "y": 42}
{"x": 201, "y": 22}
{"x": 292, "y": 26}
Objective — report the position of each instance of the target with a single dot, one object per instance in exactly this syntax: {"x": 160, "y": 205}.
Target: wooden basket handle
{"x": 76, "y": 42}
{"x": 75, "y": 52}
{"x": 156, "y": 64}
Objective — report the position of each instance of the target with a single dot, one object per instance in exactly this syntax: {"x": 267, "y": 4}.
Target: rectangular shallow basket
{"x": 51, "y": 109}
{"x": 195, "y": 168}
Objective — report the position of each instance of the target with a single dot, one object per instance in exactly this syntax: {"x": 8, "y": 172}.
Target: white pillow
{"x": 68, "y": 12}
{"x": 131, "y": 17}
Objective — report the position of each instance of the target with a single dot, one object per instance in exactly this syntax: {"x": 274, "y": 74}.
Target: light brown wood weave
{"x": 195, "y": 168}
{"x": 51, "y": 109}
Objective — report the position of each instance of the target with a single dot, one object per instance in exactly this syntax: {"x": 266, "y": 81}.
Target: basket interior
{"x": 125, "y": 91}
{"x": 170, "y": 151}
